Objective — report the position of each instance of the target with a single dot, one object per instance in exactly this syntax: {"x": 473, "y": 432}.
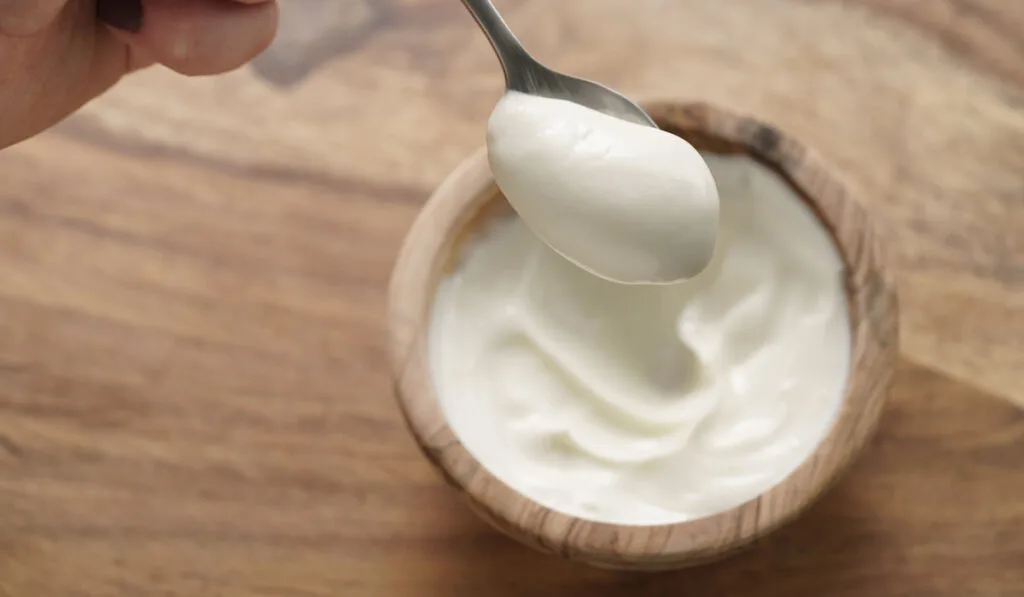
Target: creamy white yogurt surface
{"x": 626, "y": 202}
{"x": 648, "y": 404}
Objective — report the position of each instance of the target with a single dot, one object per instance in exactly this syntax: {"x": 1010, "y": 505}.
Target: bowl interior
{"x": 469, "y": 200}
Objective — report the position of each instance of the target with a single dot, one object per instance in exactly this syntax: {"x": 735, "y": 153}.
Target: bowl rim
{"x": 873, "y": 311}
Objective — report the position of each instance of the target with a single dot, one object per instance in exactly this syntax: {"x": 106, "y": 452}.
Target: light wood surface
{"x": 195, "y": 396}
{"x": 468, "y": 202}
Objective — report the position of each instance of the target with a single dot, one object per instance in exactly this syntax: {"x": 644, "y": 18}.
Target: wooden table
{"x": 193, "y": 390}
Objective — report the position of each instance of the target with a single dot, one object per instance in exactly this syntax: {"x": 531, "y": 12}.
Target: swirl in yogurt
{"x": 648, "y": 404}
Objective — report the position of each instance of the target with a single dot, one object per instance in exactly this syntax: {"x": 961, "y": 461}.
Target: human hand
{"x": 56, "y": 55}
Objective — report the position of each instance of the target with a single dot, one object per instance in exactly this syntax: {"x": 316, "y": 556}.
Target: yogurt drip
{"x": 647, "y": 404}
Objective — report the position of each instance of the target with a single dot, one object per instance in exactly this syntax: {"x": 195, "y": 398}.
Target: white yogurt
{"x": 626, "y": 202}
{"x": 648, "y": 404}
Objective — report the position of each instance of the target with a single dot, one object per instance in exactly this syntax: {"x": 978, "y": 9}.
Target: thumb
{"x": 193, "y": 37}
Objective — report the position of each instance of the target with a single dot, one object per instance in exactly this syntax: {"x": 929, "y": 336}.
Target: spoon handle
{"x": 511, "y": 54}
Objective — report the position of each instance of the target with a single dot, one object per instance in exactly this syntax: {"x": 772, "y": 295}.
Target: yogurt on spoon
{"x": 626, "y": 202}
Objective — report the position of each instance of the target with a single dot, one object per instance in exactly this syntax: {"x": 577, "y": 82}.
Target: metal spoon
{"x": 524, "y": 74}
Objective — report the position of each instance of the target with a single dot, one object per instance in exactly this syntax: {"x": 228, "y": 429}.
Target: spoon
{"x": 524, "y": 74}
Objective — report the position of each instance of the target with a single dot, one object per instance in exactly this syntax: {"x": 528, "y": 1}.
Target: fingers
{"x": 45, "y": 77}
{"x": 27, "y": 17}
{"x": 203, "y": 37}
{"x": 54, "y": 56}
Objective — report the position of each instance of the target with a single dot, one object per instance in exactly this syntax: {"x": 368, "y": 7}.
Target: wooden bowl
{"x": 469, "y": 197}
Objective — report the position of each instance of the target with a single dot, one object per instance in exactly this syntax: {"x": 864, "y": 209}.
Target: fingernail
{"x": 120, "y": 14}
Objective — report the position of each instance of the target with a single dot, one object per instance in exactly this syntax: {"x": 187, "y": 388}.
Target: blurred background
{"x": 194, "y": 390}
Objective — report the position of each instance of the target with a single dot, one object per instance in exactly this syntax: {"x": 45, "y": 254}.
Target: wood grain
{"x": 195, "y": 395}
{"x": 468, "y": 202}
